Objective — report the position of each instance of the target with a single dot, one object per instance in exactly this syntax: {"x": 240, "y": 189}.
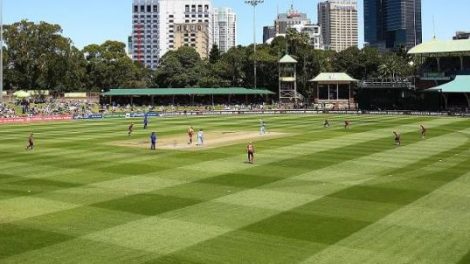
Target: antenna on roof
{"x": 434, "y": 27}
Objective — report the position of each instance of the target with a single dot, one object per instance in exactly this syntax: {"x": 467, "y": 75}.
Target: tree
{"x": 108, "y": 66}
{"x": 214, "y": 55}
{"x": 232, "y": 66}
{"x": 39, "y": 57}
{"x": 181, "y": 68}
{"x": 395, "y": 67}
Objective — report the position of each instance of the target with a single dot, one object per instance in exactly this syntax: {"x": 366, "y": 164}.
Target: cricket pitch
{"x": 211, "y": 140}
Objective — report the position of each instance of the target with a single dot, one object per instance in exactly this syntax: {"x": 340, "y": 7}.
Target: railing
{"x": 387, "y": 84}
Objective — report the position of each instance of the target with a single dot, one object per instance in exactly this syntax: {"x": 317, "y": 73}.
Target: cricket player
{"x": 146, "y": 121}
{"x": 250, "y": 149}
{"x": 190, "y": 135}
{"x": 30, "y": 145}
{"x": 423, "y": 132}
{"x": 397, "y": 138}
{"x": 200, "y": 137}
{"x": 262, "y": 130}
{"x": 130, "y": 129}
{"x": 153, "y": 141}
{"x": 347, "y": 124}
{"x": 326, "y": 124}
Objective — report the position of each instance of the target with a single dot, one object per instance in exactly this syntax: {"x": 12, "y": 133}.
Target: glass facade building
{"x": 390, "y": 24}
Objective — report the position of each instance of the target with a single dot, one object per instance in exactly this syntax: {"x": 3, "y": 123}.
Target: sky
{"x": 95, "y": 21}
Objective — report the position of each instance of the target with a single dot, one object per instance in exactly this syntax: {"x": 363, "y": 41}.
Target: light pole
{"x": 1, "y": 51}
{"x": 254, "y": 3}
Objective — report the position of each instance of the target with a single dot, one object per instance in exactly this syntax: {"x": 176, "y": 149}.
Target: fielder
{"x": 250, "y": 149}
{"x": 397, "y": 138}
{"x": 130, "y": 129}
{"x": 30, "y": 145}
{"x": 423, "y": 132}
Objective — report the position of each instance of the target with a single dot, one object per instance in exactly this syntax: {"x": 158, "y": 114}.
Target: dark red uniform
{"x": 30, "y": 145}
{"x": 131, "y": 129}
{"x": 397, "y": 138}
{"x": 250, "y": 149}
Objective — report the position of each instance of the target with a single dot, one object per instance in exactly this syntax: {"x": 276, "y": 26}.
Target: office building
{"x": 391, "y": 24}
{"x": 338, "y": 22}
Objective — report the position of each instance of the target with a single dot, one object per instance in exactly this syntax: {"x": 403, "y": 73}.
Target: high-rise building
{"x": 195, "y": 35}
{"x": 390, "y": 24}
{"x": 269, "y": 32}
{"x": 313, "y": 31}
{"x": 287, "y": 20}
{"x": 224, "y": 28}
{"x": 338, "y": 21}
{"x": 154, "y": 26}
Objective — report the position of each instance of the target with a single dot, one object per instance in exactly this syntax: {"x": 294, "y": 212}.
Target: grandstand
{"x": 444, "y": 62}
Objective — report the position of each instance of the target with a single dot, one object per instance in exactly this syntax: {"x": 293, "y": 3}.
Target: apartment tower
{"x": 154, "y": 26}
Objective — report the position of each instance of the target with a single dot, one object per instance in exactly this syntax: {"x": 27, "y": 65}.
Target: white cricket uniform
{"x": 200, "y": 138}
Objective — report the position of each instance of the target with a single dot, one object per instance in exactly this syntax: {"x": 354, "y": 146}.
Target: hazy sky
{"x": 94, "y": 21}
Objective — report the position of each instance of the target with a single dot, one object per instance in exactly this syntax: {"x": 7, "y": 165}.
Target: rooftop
{"x": 436, "y": 46}
{"x": 186, "y": 91}
{"x": 287, "y": 59}
{"x": 333, "y": 77}
{"x": 461, "y": 84}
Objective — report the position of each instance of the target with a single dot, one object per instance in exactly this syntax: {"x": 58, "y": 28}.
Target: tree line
{"x": 37, "y": 56}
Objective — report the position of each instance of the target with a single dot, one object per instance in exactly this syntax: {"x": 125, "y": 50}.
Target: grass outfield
{"x": 314, "y": 195}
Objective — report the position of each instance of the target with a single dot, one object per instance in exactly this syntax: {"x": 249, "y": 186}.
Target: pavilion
{"x": 445, "y": 69}
{"x": 335, "y": 88}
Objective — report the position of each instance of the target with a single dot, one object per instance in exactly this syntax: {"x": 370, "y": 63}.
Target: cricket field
{"x": 89, "y": 193}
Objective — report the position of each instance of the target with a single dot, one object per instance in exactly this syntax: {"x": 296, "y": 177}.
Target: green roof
{"x": 333, "y": 77}
{"x": 287, "y": 59}
{"x": 440, "y": 46}
{"x": 461, "y": 84}
{"x": 186, "y": 91}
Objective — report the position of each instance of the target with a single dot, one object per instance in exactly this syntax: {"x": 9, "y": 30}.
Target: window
{"x": 149, "y": 8}
{"x": 186, "y": 8}
{"x": 142, "y": 8}
{"x": 155, "y": 8}
{"x": 136, "y": 9}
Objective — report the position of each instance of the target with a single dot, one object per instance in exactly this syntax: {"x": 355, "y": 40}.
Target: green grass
{"x": 314, "y": 196}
